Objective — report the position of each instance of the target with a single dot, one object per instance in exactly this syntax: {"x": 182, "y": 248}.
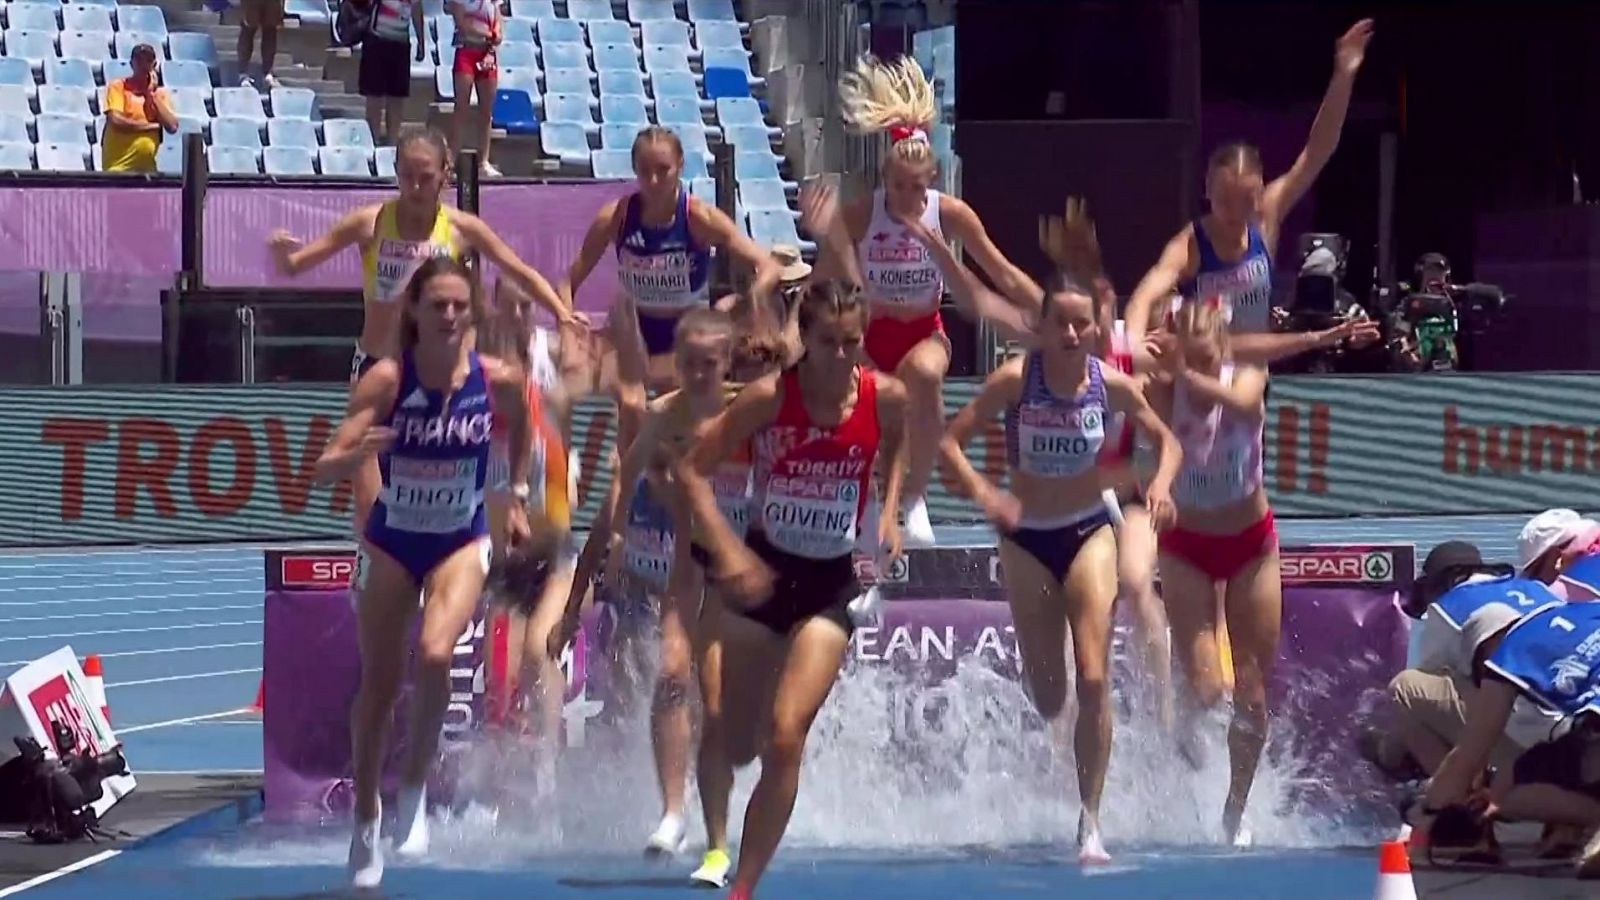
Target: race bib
{"x": 659, "y": 283}
{"x": 811, "y": 515}
{"x": 1058, "y": 443}
{"x": 1226, "y": 478}
{"x": 431, "y": 496}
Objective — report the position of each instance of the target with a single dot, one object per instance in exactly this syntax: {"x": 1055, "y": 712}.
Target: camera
{"x": 1434, "y": 314}
{"x": 55, "y": 797}
{"x": 1319, "y": 302}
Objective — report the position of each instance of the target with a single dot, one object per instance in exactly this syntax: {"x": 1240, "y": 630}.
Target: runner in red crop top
{"x": 816, "y": 430}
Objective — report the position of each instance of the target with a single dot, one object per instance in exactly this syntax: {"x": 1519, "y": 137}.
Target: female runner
{"x": 903, "y": 283}
{"x": 815, "y": 430}
{"x": 1224, "y": 540}
{"x": 1058, "y": 552}
{"x": 1228, "y": 252}
{"x": 427, "y": 415}
{"x": 394, "y": 237}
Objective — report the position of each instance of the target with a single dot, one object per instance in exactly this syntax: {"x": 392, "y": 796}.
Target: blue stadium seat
{"x": 566, "y": 56}
{"x": 347, "y": 161}
{"x": 383, "y": 162}
{"x": 432, "y": 8}
{"x": 588, "y": 10}
{"x": 624, "y": 111}
{"x": 16, "y": 157}
{"x": 127, "y": 40}
{"x": 66, "y": 101}
{"x": 513, "y": 111}
{"x": 664, "y": 33}
{"x": 289, "y": 161}
{"x": 650, "y": 10}
{"x": 444, "y": 82}
{"x": 444, "y": 31}
{"x": 747, "y": 137}
{"x": 674, "y": 84}
{"x": 14, "y": 130}
{"x": 230, "y": 131}
{"x": 190, "y": 125}
{"x": 169, "y": 156}
{"x": 348, "y": 133}
{"x": 565, "y": 141}
{"x": 292, "y": 133}
{"x": 762, "y": 194}
{"x": 613, "y": 164}
{"x": 16, "y": 73}
{"x": 112, "y": 69}
{"x": 666, "y": 59}
{"x": 692, "y": 135}
{"x": 187, "y": 45}
{"x": 770, "y": 227}
{"x": 533, "y": 9}
{"x": 14, "y": 101}
{"x": 739, "y": 111}
{"x": 190, "y": 102}
{"x": 613, "y": 136}
{"x": 518, "y": 55}
{"x": 569, "y": 108}
{"x": 569, "y": 81}
{"x": 622, "y": 57}
{"x": 520, "y": 79}
{"x": 224, "y": 160}
{"x": 86, "y": 45}
{"x": 728, "y": 58}
{"x": 517, "y": 30}
{"x": 294, "y": 103}
{"x": 749, "y": 164}
{"x": 712, "y": 11}
{"x": 187, "y": 73}
{"x": 717, "y": 35}
{"x": 622, "y": 82}
{"x": 608, "y": 31}
{"x": 33, "y": 46}
{"x": 724, "y": 82}
{"x": 63, "y": 158}
{"x": 23, "y": 16}
{"x": 308, "y": 10}
{"x": 695, "y": 165}
{"x": 705, "y": 189}
{"x": 54, "y": 128}
{"x": 147, "y": 19}
{"x": 429, "y": 64}
{"x": 559, "y": 31}
{"x": 241, "y": 102}
{"x": 678, "y": 111}
{"x": 77, "y": 73}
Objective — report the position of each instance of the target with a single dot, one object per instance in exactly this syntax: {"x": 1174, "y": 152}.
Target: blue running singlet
{"x": 663, "y": 270}
{"x": 1244, "y": 286}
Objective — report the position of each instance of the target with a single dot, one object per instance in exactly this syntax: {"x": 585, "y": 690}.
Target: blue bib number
{"x": 1523, "y": 594}
{"x": 1552, "y": 656}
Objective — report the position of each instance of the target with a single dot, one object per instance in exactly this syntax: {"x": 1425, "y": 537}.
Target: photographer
{"x": 1436, "y": 322}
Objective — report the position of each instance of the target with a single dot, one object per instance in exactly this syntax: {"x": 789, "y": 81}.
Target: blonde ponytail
{"x": 894, "y": 97}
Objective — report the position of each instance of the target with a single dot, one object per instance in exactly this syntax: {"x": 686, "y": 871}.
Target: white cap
{"x": 1485, "y": 622}
{"x": 1545, "y": 532}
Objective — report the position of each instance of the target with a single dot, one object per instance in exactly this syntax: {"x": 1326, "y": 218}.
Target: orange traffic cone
{"x": 94, "y": 672}
{"x": 1394, "y": 873}
{"x": 260, "y": 705}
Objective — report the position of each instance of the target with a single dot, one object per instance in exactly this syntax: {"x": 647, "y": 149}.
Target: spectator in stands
{"x": 385, "y": 74}
{"x": 793, "y": 273}
{"x": 138, "y": 111}
{"x": 265, "y": 16}
{"x": 478, "y": 33}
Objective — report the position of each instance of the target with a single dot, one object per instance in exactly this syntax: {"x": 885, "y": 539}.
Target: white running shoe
{"x": 918, "y": 530}
{"x": 366, "y": 854}
{"x": 713, "y": 871}
{"x": 1091, "y": 847}
{"x": 670, "y": 838}
{"x": 1243, "y": 839}
{"x": 411, "y": 822}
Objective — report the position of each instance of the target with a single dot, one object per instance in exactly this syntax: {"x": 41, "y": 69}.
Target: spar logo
{"x": 1342, "y": 566}
{"x": 317, "y": 573}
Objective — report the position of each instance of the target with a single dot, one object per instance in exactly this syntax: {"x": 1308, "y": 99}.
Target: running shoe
{"x": 918, "y": 530}
{"x": 366, "y": 854}
{"x": 411, "y": 840}
{"x": 670, "y": 837}
{"x": 713, "y": 871}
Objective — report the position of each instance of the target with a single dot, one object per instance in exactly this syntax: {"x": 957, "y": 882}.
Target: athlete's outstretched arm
{"x": 634, "y": 459}
{"x": 1245, "y": 395}
{"x": 1013, "y": 322}
{"x": 755, "y": 407}
{"x": 1488, "y": 711}
{"x": 715, "y": 228}
{"x": 601, "y": 235}
{"x": 359, "y": 435}
{"x": 1177, "y": 262}
{"x": 484, "y": 239}
{"x": 356, "y": 227}
{"x": 959, "y": 220}
{"x": 822, "y": 218}
{"x": 1126, "y": 395}
{"x": 506, "y": 381}
{"x": 1286, "y": 190}
{"x": 1002, "y": 388}
{"x": 1265, "y": 348}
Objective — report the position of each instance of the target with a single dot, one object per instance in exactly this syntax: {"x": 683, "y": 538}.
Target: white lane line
{"x": 133, "y": 612}
{"x": 154, "y": 650}
{"x": 74, "y": 635}
{"x": 189, "y": 677}
{"x": 67, "y": 869}
{"x": 186, "y": 720}
{"x": 157, "y": 592}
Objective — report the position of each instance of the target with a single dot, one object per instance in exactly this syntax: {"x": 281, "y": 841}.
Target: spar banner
{"x": 1344, "y": 638}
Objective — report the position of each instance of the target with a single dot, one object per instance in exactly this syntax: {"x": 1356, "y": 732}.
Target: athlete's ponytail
{"x": 829, "y": 299}
{"x": 893, "y": 97}
{"x": 432, "y": 268}
{"x": 1205, "y": 319}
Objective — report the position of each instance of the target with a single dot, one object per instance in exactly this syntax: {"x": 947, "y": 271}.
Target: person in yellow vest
{"x": 138, "y": 112}
{"x": 396, "y": 237}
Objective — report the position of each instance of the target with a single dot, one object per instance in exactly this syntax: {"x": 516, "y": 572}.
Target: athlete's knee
{"x": 1249, "y": 683}
{"x": 1049, "y": 695}
{"x": 787, "y": 745}
{"x": 1093, "y": 689}
{"x": 1206, "y": 686}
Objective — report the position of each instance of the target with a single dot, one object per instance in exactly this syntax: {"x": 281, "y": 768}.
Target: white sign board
{"x": 54, "y": 689}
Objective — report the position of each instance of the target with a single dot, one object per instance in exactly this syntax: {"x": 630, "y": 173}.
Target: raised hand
{"x": 1351, "y": 48}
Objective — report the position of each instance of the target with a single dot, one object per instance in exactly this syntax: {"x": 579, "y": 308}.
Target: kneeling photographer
{"x": 54, "y": 797}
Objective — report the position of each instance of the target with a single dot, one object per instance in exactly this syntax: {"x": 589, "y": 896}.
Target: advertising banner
{"x": 1343, "y": 639}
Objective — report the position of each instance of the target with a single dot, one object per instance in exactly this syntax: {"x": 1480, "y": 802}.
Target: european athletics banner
{"x": 1344, "y": 637}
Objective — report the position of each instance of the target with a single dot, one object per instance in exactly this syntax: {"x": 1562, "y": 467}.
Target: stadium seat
{"x": 169, "y": 157}
{"x": 16, "y": 157}
{"x": 347, "y": 161}
{"x": 569, "y": 81}
{"x": 54, "y": 128}
{"x": 728, "y": 58}
{"x": 716, "y": 35}
{"x": 518, "y": 55}
{"x": 63, "y": 158}
{"x": 520, "y": 79}
{"x": 241, "y": 102}
{"x": 620, "y": 57}
{"x": 383, "y": 162}
{"x": 772, "y": 227}
{"x": 17, "y": 73}
{"x": 705, "y": 189}
{"x": 308, "y": 11}
{"x": 86, "y": 45}
{"x": 692, "y": 135}
{"x": 608, "y": 31}
{"x": 711, "y": 11}
{"x": 762, "y": 194}
{"x": 739, "y": 111}
{"x": 674, "y": 84}
{"x": 230, "y": 131}
{"x": 621, "y": 82}
{"x": 14, "y": 101}
{"x": 67, "y": 101}
{"x": 651, "y": 10}
{"x": 77, "y": 17}
{"x": 695, "y": 165}
{"x": 294, "y": 103}
{"x": 289, "y": 161}
{"x": 147, "y": 19}
{"x": 566, "y": 56}
{"x": 666, "y": 59}
{"x": 559, "y": 31}
{"x": 97, "y": 2}
{"x": 724, "y": 82}
{"x": 513, "y": 111}
{"x": 624, "y": 111}
{"x": 533, "y": 9}
{"x": 613, "y": 136}
{"x": 125, "y": 41}
{"x": 191, "y": 45}
{"x": 748, "y": 164}
{"x": 32, "y": 17}
{"x": 33, "y": 46}
{"x": 224, "y": 160}
{"x": 444, "y": 82}
{"x": 112, "y": 69}
{"x": 292, "y": 133}
{"x": 588, "y": 10}
{"x": 444, "y": 31}
{"x": 190, "y": 102}
{"x": 348, "y": 133}
{"x": 78, "y": 73}
{"x": 565, "y": 141}
{"x": 613, "y": 164}
{"x": 678, "y": 111}
{"x": 14, "y": 130}
{"x": 187, "y": 73}
{"x": 569, "y": 108}
{"x": 517, "y": 30}
{"x": 664, "y": 33}
{"x": 747, "y": 137}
